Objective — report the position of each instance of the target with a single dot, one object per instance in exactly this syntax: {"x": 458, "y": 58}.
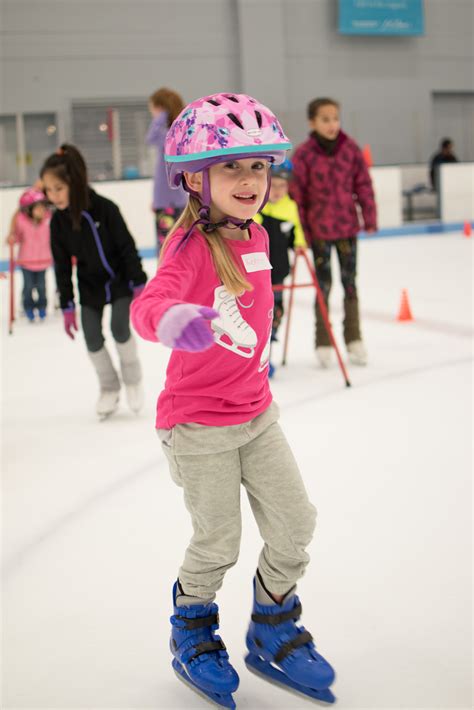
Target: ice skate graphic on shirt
{"x": 265, "y": 356}
{"x": 232, "y": 331}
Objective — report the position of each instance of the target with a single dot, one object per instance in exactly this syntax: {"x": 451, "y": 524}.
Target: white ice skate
{"x": 324, "y": 355}
{"x": 135, "y": 397}
{"x": 233, "y": 332}
{"x": 107, "y": 404}
{"x": 357, "y": 352}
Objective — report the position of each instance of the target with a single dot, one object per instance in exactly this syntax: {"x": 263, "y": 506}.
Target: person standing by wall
{"x": 445, "y": 154}
{"x": 164, "y": 105}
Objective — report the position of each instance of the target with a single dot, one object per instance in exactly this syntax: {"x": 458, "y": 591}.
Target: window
{"x": 25, "y": 141}
{"x": 111, "y": 135}
{"x": 8, "y": 151}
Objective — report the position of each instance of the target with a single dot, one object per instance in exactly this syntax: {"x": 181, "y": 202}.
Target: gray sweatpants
{"x": 210, "y": 463}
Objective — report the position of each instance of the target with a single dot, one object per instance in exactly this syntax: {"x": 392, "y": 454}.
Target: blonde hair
{"x": 229, "y": 273}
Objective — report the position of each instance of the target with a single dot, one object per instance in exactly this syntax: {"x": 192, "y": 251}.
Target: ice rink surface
{"x": 94, "y": 529}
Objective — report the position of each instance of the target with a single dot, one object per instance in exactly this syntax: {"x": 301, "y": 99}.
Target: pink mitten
{"x": 69, "y": 315}
{"x": 137, "y": 290}
{"x": 186, "y": 327}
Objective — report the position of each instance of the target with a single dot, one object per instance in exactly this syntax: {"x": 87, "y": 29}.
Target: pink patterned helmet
{"x": 31, "y": 196}
{"x": 211, "y": 129}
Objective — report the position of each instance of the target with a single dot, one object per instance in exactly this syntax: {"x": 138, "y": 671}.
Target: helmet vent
{"x": 235, "y": 120}
{"x": 233, "y": 98}
{"x": 213, "y": 102}
{"x": 258, "y": 116}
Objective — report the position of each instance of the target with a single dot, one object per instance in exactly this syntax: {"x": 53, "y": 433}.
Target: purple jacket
{"x": 327, "y": 189}
{"x": 163, "y": 195}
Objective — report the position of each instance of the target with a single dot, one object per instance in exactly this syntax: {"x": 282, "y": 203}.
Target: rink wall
{"x": 134, "y": 198}
{"x": 457, "y": 192}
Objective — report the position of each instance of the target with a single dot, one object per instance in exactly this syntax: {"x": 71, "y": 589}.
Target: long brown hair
{"x": 68, "y": 165}
{"x": 229, "y": 273}
{"x": 170, "y": 101}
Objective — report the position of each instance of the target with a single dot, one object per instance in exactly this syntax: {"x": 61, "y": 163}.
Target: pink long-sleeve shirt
{"x": 228, "y": 383}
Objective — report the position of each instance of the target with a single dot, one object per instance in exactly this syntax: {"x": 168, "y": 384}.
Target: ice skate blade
{"x": 272, "y": 675}
{"x": 354, "y": 360}
{"x": 324, "y": 356}
{"x": 220, "y": 701}
{"x": 104, "y": 417}
{"x": 135, "y": 398}
{"x": 246, "y": 351}
{"x": 357, "y": 353}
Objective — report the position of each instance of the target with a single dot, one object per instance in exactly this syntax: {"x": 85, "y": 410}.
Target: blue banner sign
{"x": 381, "y": 17}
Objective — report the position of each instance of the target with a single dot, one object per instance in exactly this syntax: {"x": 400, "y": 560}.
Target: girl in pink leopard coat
{"x": 330, "y": 179}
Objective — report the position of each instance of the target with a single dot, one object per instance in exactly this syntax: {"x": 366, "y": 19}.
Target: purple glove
{"x": 69, "y": 315}
{"x": 186, "y": 327}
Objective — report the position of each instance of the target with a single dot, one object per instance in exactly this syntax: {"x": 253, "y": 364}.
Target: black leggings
{"x": 347, "y": 254}
{"x": 91, "y": 319}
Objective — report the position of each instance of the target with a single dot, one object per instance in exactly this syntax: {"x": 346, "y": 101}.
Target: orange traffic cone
{"x": 467, "y": 231}
{"x": 367, "y": 154}
{"x": 405, "y": 314}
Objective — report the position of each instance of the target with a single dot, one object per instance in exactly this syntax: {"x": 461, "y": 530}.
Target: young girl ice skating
{"x": 90, "y": 227}
{"x": 212, "y": 303}
{"x": 30, "y": 229}
{"x": 164, "y": 105}
{"x": 279, "y": 217}
{"x": 329, "y": 179}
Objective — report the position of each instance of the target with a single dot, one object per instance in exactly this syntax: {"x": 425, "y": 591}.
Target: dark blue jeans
{"x": 34, "y": 280}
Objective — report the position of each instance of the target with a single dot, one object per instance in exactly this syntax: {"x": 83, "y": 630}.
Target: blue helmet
{"x": 283, "y": 170}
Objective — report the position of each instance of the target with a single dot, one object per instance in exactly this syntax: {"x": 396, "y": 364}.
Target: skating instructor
{"x": 212, "y": 303}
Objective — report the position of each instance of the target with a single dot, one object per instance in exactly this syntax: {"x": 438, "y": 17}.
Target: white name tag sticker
{"x": 257, "y": 261}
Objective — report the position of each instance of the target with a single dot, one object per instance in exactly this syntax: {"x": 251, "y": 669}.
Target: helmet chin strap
{"x": 205, "y": 209}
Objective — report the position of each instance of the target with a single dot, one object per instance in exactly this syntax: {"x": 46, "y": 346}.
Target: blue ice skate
{"x": 200, "y": 657}
{"x": 282, "y": 652}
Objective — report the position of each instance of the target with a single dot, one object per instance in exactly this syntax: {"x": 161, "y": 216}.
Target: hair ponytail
{"x": 68, "y": 165}
{"x": 229, "y": 273}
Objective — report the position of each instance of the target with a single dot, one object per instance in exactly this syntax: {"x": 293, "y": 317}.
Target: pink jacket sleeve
{"x": 17, "y": 230}
{"x": 299, "y": 188}
{"x": 365, "y": 192}
{"x": 169, "y": 287}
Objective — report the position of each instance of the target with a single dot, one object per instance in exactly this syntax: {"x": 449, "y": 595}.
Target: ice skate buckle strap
{"x": 275, "y": 619}
{"x": 199, "y": 623}
{"x": 207, "y": 647}
{"x": 301, "y": 640}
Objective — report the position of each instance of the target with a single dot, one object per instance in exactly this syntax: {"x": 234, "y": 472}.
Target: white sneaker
{"x": 135, "y": 397}
{"x": 107, "y": 403}
{"x": 324, "y": 354}
{"x": 357, "y": 352}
